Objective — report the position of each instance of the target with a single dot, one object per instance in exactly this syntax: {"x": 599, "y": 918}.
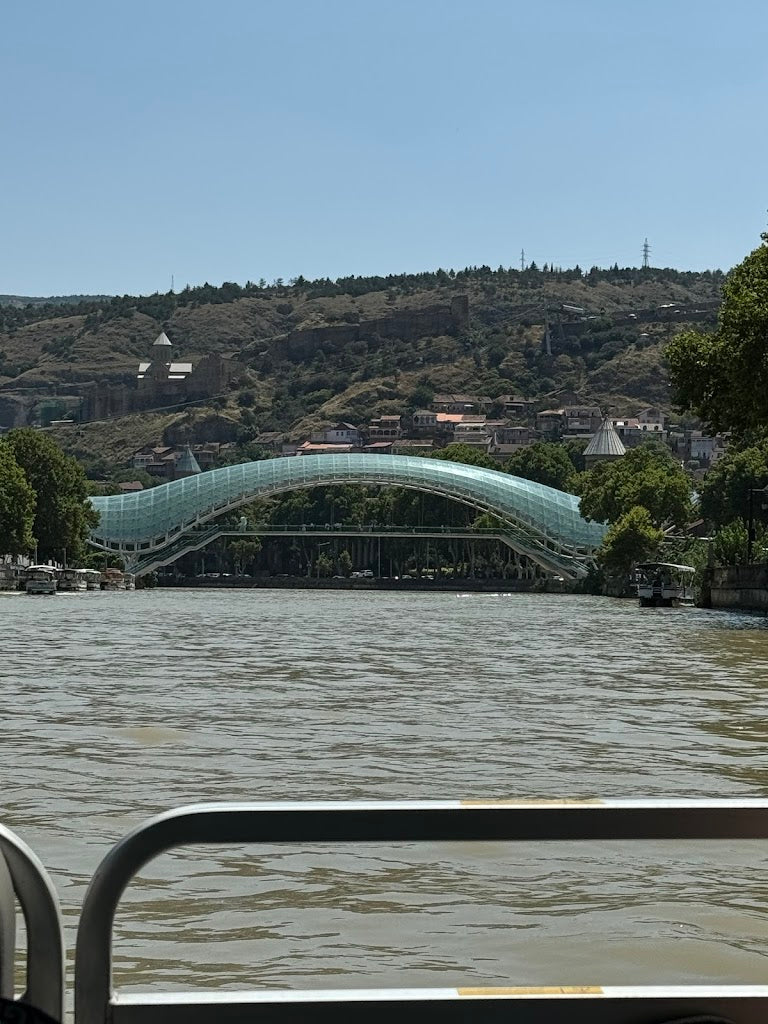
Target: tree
{"x": 723, "y": 377}
{"x": 729, "y": 544}
{"x": 345, "y": 563}
{"x": 466, "y": 453}
{"x": 632, "y": 538}
{"x": 421, "y": 395}
{"x": 17, "y": 506}
{"x": 724, "y": 491}
{"x": 244, "y": 553}
{"x": 323, "y": 565}
{"x": 647, "y": 476}
{"x": 545, "y": 462}
{"x": 63, "y": 514}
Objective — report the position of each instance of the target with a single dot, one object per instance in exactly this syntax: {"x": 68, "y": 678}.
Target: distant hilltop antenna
{"x": 522, "y": 259}
{"x": 646, "y": 254}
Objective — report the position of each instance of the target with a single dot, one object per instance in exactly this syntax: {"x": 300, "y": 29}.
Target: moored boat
{"x": 73, "y": 579}
{"x": 40, "y": 579}
{"x": 92, "y": 579}
{"x": 664, "y": 584}
{"x": 113, "y": 579}
{"x": 130, "y": 580}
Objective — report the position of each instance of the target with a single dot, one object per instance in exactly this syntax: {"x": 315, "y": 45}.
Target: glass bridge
{"x": 541, "y": 522}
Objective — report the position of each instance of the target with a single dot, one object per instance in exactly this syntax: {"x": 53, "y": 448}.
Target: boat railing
{"x": 433, "y": 821}
{"x": 24, "y": 881}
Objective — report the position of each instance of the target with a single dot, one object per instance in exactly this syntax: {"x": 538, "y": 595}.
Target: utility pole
{"x": 646, "y": 254}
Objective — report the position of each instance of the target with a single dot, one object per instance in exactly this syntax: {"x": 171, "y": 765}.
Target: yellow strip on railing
{"x": 533, "y": 990}
{"x": 528, "y": 801}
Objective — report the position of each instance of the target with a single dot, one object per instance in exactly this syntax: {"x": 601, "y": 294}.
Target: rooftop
{"x": 606, "y": 442}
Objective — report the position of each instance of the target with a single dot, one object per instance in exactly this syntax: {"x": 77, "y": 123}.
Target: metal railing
{"x": 23, "y": 878}
{"x": 201, "y": 536}
{"x": 433, "y": 821}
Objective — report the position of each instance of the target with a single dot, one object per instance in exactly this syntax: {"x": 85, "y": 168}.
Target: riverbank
{"x": 369, "y": 584}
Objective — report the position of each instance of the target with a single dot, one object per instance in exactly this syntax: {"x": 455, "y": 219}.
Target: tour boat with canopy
{"x": 664, "y": 584}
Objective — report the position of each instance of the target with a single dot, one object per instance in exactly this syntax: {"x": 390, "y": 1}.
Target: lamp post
{"x": 751, "y": 523}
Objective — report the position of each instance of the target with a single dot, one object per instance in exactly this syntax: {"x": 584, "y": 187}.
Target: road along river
{"x": 115, "y": 706}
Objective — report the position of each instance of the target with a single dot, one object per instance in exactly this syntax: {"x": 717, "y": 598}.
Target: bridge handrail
{"x": 39, "y": 904}
{"x": 468, "y": 820}
{"x": 366, "y": 528}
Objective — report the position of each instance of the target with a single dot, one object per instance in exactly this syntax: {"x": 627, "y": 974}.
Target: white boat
{"x": 113, "y": 579}
{"x": 664, "y": 584}
{"x": 130, "y": 580}
{"x": 40, "y": 579}
{"x": 92, "y": 579}
{"x": 73, "y": 579}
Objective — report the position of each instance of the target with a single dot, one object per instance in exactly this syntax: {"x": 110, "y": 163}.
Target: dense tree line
{"x": 44, "y": 502}
{"x": 161, "y": 305}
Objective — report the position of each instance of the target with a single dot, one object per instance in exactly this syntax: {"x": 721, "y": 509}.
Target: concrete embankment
{"x": 743, "y": 587}
{"x": 311, "y": 583}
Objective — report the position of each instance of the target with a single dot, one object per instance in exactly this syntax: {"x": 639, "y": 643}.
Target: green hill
{"x": 309, "y": 352}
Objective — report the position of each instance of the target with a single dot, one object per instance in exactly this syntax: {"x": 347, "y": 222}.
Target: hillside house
{"x": 385, "y": 428}
{"x": 704, "y": 449}
{"x": 424, "y": 422}
{"x": 472, "y": 430}
{"x": 341, "y": 433}
{"x": 461, "y": 403}
{"x": 550, "y": 422}
{"x": 515, "y": 435}
{"x": 449, "y": 422}
{"x": 633, "y": 433}
{"x": 516, "y": 407}
{"x": 321, "y": 448}
{"x": 582, "y": 420}
{"x": 652, "y": 418}
{"x": 163, "y": 461}
{"x": 270, "y": 440}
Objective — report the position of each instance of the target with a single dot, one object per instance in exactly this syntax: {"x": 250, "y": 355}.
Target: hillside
{"x": 311, "y": 352}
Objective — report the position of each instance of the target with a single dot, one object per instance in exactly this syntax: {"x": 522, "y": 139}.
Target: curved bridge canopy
{"x": 153, "y": 519}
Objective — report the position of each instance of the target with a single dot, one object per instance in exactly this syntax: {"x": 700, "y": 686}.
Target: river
{"x": 116, "y": 706}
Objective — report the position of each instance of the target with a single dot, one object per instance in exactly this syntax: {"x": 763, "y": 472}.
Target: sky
{"x": 146, "y": 143}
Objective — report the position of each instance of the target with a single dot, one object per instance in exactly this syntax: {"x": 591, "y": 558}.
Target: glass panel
{"x": 146, "y": 516}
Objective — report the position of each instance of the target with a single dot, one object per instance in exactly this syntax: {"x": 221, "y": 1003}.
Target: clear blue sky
{"x": 271, "y": 138}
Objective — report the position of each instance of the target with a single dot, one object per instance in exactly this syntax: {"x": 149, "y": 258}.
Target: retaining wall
{"x": 740, "y": 586}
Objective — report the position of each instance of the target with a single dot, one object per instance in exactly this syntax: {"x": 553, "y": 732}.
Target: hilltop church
{"x": 160, "y": 382}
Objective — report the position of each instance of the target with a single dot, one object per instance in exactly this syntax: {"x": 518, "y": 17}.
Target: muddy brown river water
{"x": 115, "y": 706}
